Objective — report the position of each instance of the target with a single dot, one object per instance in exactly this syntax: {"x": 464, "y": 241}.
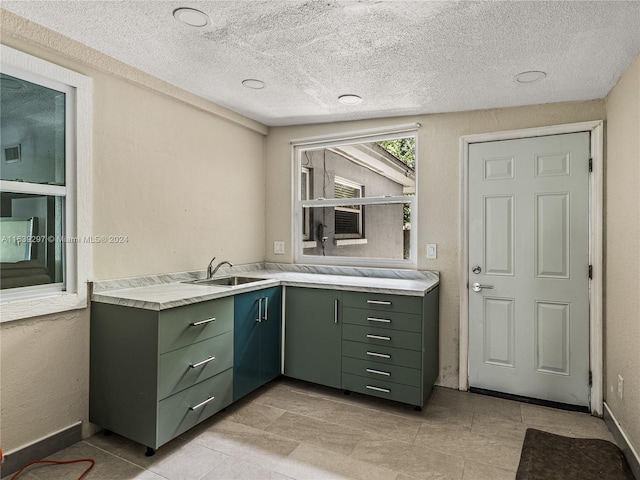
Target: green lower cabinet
{"x": 155, "y": 374}
{"x": 257, "y": 339}
{"x": 313, "y": 335}
{"x": 390, "y": 345}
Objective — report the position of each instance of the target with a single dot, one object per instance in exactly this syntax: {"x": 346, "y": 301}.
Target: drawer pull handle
{"x": 378, "y": 389}
{"x": 381, "y": 355}
{"x": 335, "y": 311}
{"x": 202, "y": 404}
{"x": 378, "y": 337}
{"x": 379, "y": 302}
{"x": 379, "y": 372}
{"x": 380, "y": 320}
{"x": 202, "y": 322}
{"x": 199, "y": 364}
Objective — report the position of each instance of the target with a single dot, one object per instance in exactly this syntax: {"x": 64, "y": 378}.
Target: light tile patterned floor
{"x": 295, "y": 430}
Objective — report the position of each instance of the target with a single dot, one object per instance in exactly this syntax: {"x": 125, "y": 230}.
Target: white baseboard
{"x": 622, "y": 440}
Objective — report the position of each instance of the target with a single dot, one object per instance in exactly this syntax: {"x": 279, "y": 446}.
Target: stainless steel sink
{"x": 226, "y": 281}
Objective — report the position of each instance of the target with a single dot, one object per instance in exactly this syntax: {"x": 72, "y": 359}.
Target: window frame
{"x": 299, "y": 146}
{"x": 25, "y": 302}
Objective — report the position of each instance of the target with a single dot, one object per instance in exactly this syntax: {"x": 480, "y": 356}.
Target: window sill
{"x": 20, "y": 308}
{"x": 351, "y": 241}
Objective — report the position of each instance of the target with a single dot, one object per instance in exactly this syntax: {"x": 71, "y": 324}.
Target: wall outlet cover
{"x": 432, "y": 250}
{"x": 278, "y": 248}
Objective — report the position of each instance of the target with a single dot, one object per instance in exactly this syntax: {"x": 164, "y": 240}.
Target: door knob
{"x": 476, "y": 287}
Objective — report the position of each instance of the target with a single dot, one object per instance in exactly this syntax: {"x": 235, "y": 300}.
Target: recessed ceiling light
{"x": 530, "y": 77}
{"x": 253, "y": 83}
{"x": 191, "y": 16}
{"x": 349, "y": 99}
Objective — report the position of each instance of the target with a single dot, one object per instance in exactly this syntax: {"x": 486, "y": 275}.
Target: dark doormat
{"x": 546, "y": 456}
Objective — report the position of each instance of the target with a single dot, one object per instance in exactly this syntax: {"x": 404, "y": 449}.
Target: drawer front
{"x": 382, "y": 354}
{"x": 381, "y": 336}
{"x": 182, "y": 326}
{"x": 182, "y": 368}
{"x": 410, "y": 322}
{"x": 382, "y": 389}
{"x": 180, "y": 412}
{"x": 381, "y": 371}
{"x": 383, "y": 302}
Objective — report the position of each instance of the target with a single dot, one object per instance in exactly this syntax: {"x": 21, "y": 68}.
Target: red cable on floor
{"x": 57, "y": 462}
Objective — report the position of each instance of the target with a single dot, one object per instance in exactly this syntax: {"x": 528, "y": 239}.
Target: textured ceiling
{"x": 401, "y": 57}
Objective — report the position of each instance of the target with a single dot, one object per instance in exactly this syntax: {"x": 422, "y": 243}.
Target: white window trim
{"x": 350, "y": 138}
{"x": 29, "y": 302}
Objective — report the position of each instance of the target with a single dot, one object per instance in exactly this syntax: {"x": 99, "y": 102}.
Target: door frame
{"x": 596, "y": 129}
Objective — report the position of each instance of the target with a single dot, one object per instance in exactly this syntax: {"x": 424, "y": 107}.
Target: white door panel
{"x": 529, "y": 234}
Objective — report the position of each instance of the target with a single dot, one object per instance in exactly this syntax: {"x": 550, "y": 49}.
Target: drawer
{"x": 175, "y": 414}
{"x": 182, "y": 326}
{"x": 382, "y": 389}
{"x": 410, "y": 322}
{"x": 381, "y": 336}
{"x": 383, "y": 302}
{"x": 381, "y": 371}
{"x": 382, "y": 354}
{"x": 177, "y": 372}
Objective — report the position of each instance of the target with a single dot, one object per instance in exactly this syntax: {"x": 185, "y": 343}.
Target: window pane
{"x": 32, "y": 127}
{"x": 385, "y": 232}
{"x": 354, "y": 171}
{"x": 32, "y": 246}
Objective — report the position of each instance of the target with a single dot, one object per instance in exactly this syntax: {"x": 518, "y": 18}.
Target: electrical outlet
{"x": 432, "y": 250}
{"x": 620, "y": 386}
{"x": 278, "y": 248}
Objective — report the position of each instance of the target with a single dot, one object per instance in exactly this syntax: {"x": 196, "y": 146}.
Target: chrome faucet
{"x": 211, "y": 270}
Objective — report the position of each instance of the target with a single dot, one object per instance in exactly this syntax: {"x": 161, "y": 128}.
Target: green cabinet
{"x": 155, "y": 374}
{"x": 257, "y": 339}
{"x": 390, "y": 345}
{"x": 313, "y": 335}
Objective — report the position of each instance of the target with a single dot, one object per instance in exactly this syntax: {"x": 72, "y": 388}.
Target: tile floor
{"x": 294, "y": 430}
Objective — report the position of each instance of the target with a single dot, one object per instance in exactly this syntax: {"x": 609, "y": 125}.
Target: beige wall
{"x": 182, "y": 178}
{"x": 181, "y": 184}
{"x": 622, "y": 252}
{"x": 44, "y": 376}
{"x": 438, "y": 190}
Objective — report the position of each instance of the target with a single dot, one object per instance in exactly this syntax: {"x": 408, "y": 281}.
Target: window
{"x": 45, "y": 127}
{"x": 348, "y": 219}
{"x": 356, "y": 207}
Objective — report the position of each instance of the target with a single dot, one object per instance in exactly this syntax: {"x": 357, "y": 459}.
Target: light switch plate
{"x": 432, "y": 250}
{"x": 278, "y": 248}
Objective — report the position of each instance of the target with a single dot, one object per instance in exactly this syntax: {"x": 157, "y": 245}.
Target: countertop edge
{"x": 126, "y": 297}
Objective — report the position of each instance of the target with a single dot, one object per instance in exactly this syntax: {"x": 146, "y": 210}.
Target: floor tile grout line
{"x": 121, "y": 458}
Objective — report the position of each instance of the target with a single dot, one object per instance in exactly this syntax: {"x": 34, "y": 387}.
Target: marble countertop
{"x": 168, "y": 291}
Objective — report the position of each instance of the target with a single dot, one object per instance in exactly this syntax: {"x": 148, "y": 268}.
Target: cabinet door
{"x": 246, "y": 344}
{"x": 313, "y": 335}
{"x": 270, "y": 335}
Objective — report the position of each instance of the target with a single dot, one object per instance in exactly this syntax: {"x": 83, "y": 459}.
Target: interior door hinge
{"x": 590, "y": 272}
{"x": 590, "y": 378}
{"x": 591, "y": 164}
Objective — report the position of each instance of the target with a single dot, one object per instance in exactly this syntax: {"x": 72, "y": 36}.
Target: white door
{"x": 529, "y": 254}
